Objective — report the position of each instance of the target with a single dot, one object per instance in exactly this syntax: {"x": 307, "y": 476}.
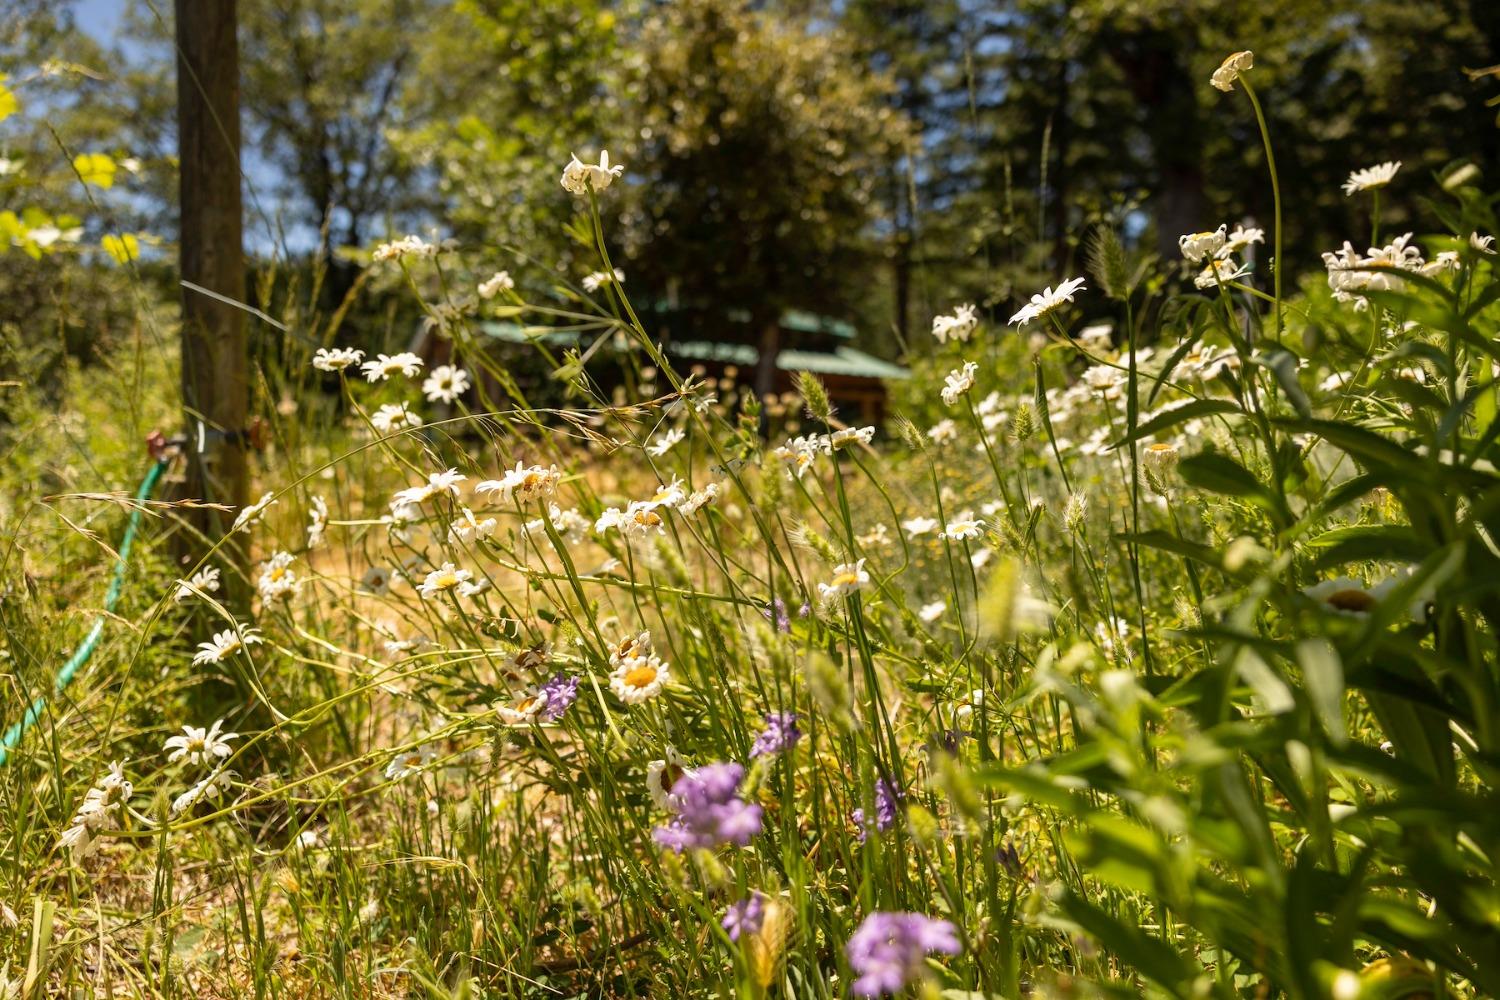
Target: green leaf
{"x": 1154, "y": 959}
{"x": 1362, "y": 542}
{"x": 1175, "y": 415}
{"x": 1323, "y": 673}
{"x": 1283, "y": 364}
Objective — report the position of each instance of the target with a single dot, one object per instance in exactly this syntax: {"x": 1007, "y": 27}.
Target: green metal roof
{"x": 842, "y": 360}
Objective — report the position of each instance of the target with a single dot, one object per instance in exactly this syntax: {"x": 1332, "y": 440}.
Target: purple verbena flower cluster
{"x": 887, "y": 808}
{"x": 781, "y": 734}
{"x": 888, "y": 950}
{"x": 559, "y": 694}
{"x": 710, "y": 811}
{"x": 745, "y": 916}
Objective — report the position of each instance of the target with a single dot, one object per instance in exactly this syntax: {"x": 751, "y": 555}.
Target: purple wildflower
{"x": 559, "y": 694}
{"x": 745, "y": 917}
{"x": 887, "y": 808}
{"x": 776, "y": 612}
{"x": 709, "y": 810}
{"x": 781, "y": 734}
{"x": 888, "y": 950}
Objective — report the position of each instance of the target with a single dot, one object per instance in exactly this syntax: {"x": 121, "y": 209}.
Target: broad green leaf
{"x": 1323, "y": 672}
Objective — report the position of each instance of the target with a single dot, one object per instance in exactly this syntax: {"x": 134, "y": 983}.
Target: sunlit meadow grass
{"x": 1154, "y": 657}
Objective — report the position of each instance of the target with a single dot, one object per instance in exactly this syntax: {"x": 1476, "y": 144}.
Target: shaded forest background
{"x": 873, "y": 160}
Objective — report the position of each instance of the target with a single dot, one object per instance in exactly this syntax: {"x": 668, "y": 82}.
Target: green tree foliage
{"x": 757, "y": 152}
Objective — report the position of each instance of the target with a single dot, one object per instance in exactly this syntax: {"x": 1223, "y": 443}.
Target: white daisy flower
{"x": 277, "y": 578}
{"x": 918, "y": 526}
{"x": 1240, "y": 238}
{"x": 445, "y": 384}
{"x": 1220, "y": 271}
{"x": 669, "y": 495}
{"x": 523, "y": 710}
{"x": 666, "y": 442}
{"x": 386, "y": 365}
{"x": 393, "y": 417}
{"x": 636, "y": 520}
{"x": 225, "y": 644}
{"x": 523, "y": 484}
{"x": 847, "y": 579}
{"x": 97, "y": 811}
{"x": 631, "y": 648}
{"x": 639, "y": 679}
{"x": 699, "y": 499}
{"x": 964, "y": 527}
{"x": 1196, "y": 246}
{"x": 1047, "y": 300}
{"x": 317, "y": 521}
{"x": 959, "y": 382}
{"x": 943, "y": 432}
{"x": 200, "y": 746}
{"x": 437, "y": 484}
{"x": 661, "y": 775}
{"x": 251, "y": 514}
{"x": 959, "y": 326}
{"x": 466, "y": 527}
{"x": 212, "y": 787}
{"x": 377, "y": 581}
{"x": 1371, "y": 178}
{"x": 500, "y": 281}
{"x": 336, "y": 359}
{"x": 930, "y": 613}
{"x": 1483, "y": 244}
{"x": 598, "y": 279}
{"x": 205, "y": 581}
{"x": 413, "y": 246}
{"x": 1230, "y": 69}
{"x": 445, "y": 578}
{"x": 1094, "y": 338}
{"x": 851, "y": 435}
{"x": 408, "y": 762}
{"x": 578, "y": 177}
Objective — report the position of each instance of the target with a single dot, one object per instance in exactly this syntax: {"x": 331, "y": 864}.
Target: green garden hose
{"x": 16, "y": 732}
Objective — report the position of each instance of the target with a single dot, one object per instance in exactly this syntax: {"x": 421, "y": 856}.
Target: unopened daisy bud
{"x": 815, "y": 395}
{"x": 1159, "y": 462}
{"x": 1076, "y": 512}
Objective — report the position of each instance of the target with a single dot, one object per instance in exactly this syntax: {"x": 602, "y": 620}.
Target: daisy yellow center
{"x": 846, "y": 580}
{"x": 527, "y": 704}
{"x": 648, "y": 518}
{"x": 1351, "y": 599}
{"x": 446, "y": 580}
{"x": 277, "y": 572}
{"x": 639, "y": 677}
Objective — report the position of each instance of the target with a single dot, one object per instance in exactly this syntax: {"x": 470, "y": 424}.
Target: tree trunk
{"x": 768, "y": 346}
{"x": 215, "y": 388}
{"x": 1159, "y": 78}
